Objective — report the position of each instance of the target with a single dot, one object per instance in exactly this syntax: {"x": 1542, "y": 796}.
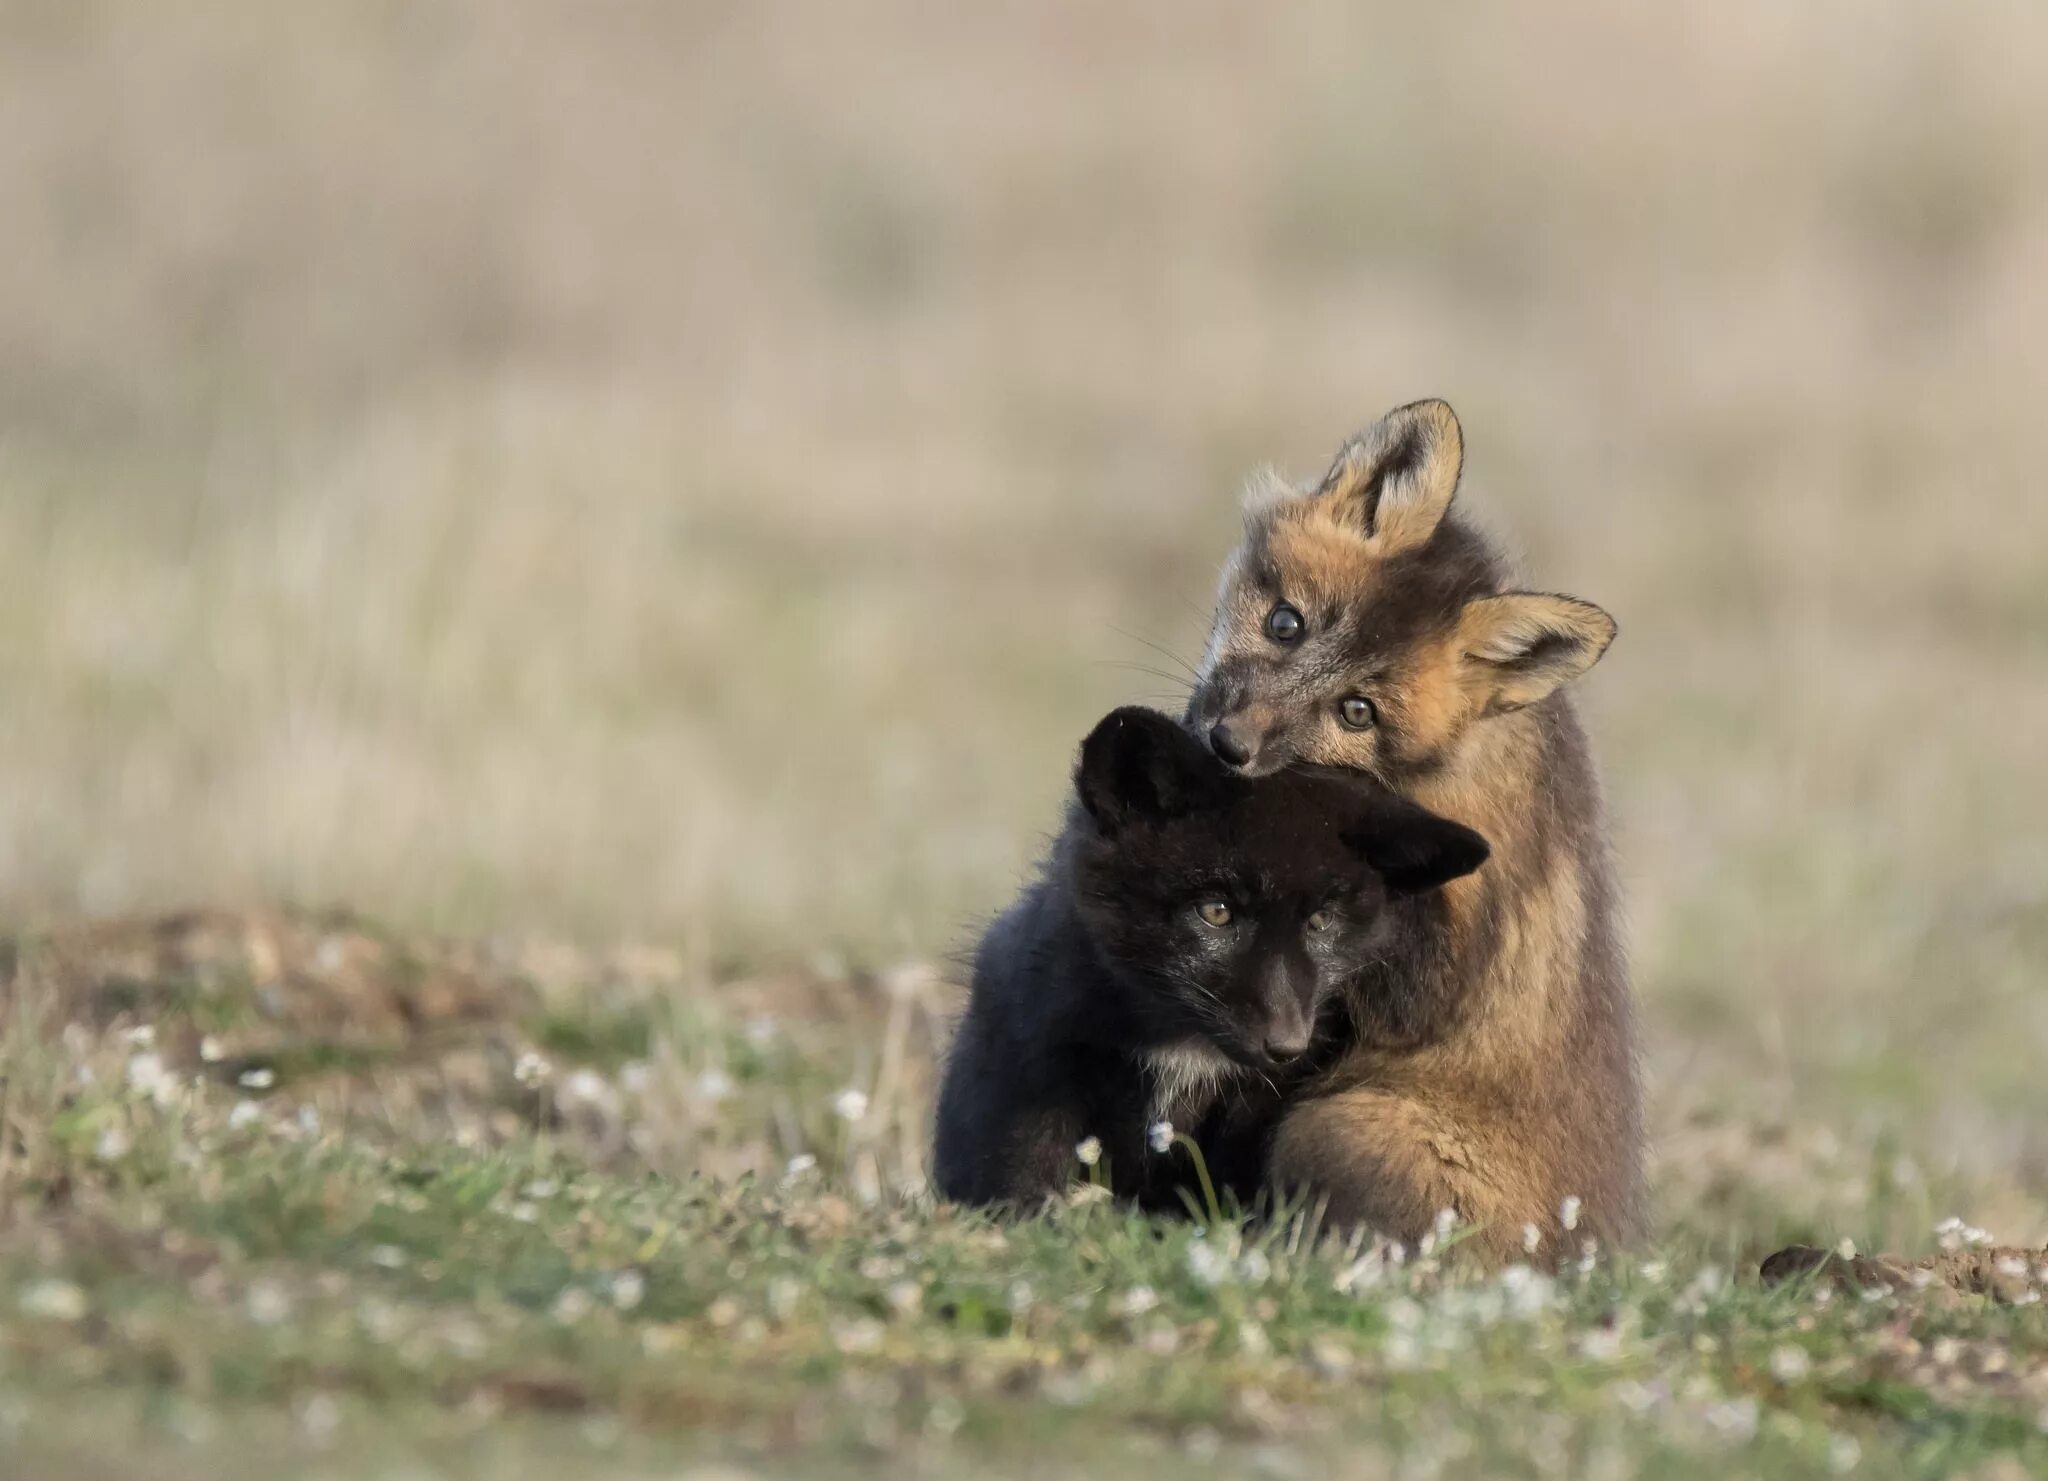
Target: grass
{"x": 639, "y": 1239}
{"x": 689, "y": 475}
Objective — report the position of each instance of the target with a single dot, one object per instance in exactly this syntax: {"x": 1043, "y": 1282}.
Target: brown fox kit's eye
{"x": 1284, "y": 624}
{"x": 1214, "y": 913}
{"x": 1322, "y": 920}
{"x": 1357, "y": 713}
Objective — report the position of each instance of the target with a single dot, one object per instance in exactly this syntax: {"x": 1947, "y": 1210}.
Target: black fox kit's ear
{"x": 1516, "y": 649}
{"x": 1412, "y": 848}
{"x": 1393, "y": 481}
{"x": 1139, "y": 764}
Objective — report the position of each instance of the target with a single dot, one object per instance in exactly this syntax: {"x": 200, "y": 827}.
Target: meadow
{"x": 552, "y": 561}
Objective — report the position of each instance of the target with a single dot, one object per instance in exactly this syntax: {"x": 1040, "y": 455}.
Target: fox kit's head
{"x": 1235, "y": 908}
{"x": 1359, "y": 627}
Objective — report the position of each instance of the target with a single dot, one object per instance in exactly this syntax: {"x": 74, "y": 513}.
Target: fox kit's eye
{"x": 1284, "y": 624}
{"x": 1357, "y": 713}
{"x": 1214, "y": 913}
{"x": 1322, "y": 920}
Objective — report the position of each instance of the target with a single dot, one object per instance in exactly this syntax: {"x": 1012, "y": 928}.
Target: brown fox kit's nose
{"x": 1232, "y": 742}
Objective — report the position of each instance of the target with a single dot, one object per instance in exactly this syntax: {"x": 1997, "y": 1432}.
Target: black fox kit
{"x": 1363, "y": 624}
{"x": 1171, "y": 961}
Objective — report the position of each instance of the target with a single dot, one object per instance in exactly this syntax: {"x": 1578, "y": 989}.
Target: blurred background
{"x": 690, "y": 473}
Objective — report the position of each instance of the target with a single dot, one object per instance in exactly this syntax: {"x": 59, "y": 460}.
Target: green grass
{"x": 342, "y": 1277}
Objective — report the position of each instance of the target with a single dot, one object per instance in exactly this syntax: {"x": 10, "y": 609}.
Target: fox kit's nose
{"x": 1285, "y": 1041}
{"x": 1232, "y": 743}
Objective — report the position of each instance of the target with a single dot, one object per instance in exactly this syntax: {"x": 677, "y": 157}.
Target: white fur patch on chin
{"x": 1184, "y": 1070}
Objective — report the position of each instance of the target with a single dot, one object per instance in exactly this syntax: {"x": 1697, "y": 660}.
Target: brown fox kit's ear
{"x": 1518, "y": 648}
{"x": 1393, "y": 481}
{"x": 1138, "y": 764}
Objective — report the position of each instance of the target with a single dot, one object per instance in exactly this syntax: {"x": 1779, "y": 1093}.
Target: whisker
{"x": 1161, "y": 649}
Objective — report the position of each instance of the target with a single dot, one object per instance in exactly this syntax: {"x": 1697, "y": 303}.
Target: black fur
{"x": 1106, "y": 960}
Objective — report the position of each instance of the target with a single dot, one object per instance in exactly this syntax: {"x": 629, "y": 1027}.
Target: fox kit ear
{"x": 1139, "y": 764}
{"x": 1393, "y": 481}
{"x": 1412, "y": 848}
{"x": 1518, "y": 648}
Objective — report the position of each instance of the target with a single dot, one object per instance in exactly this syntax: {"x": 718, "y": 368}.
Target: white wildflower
{"x": 1789, "y": 1364}
{"x": 387, "y": 1256}
{"x": 571, "y": 1305}
{"x": 850, "y": 1104}
{"x": 1446, "y": 1221}
{"x": 260, "y": 1078}
{"x": 1953, "y": 1234}
{"x": 142, "y": 1036}
{"x": 1255, "y": 1269}
{"x": 212, "y": 1050}
{"x": 1600, "y": 1343}
{"x": 308, "y": 1121}
{"x": 713, "y": 1085}
{"x": 2011, "y": 1265}
{"x": 798, "y": 1166}
{"x": 1528, "y": 1291}
{"x": 112, "y": 1145}
{"x": 863, "y": 1335}
{"x": 1138, "y": 1300}
{"x": 58, "y": 1300}
{"x": 1843, "y": 1454}
{"x": 268, "y": 1303}
{"x": 1640, "y": 1398}
{"x": 531, "y": 1069}
{"x": 586, "y": 1086}
{"x": 1089, "y": 1150}
{"x": 245, "y": 1113}
{"x": 1207, "y": 1264}
{"x": 319, "y": 1417}
{"x": 628, "y": 1287}
{"x": 540, "y": 1189}
{"x": 1735, "y": 1418}
{"x": 146, "y": 1073}
{"x": 1568, "y": 1212}
{"x": 1532, "y": 1239}
{"x": 1845, "y": 1248}
{"x": 1159, "y": 1136}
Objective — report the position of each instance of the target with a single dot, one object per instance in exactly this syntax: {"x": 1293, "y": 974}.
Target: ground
{"x": 287, "y": 1193}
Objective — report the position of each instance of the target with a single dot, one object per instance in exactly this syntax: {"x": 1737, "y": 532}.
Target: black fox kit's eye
{"x": 1357, "y": 713}
{"x": 1322, "y": 920}
{"x": 1284, "y": 624}
{"x": 1214, "y": 913}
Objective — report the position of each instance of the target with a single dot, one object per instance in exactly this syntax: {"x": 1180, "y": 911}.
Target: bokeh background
{"x": 690, "y": 473}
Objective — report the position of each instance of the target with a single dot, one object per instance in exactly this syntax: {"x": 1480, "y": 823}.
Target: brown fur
{"x": 1518, "y": 1088}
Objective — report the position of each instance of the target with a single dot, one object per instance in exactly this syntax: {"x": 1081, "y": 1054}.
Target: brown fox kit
{"x": 1362, "y": 623}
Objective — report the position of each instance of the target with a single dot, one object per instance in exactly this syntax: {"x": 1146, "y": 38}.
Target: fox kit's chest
{"x": 1183, "y": 1080}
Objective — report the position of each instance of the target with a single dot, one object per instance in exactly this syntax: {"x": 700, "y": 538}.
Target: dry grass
{"x": 690, "y": 474}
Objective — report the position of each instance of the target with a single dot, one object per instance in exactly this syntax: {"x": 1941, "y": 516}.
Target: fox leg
{"x": 1391, "y": 1164}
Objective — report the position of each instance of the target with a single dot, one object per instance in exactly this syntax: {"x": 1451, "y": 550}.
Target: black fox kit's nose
{"x": 1230, "y": 744}
{"x": 1285, "y": 1041}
